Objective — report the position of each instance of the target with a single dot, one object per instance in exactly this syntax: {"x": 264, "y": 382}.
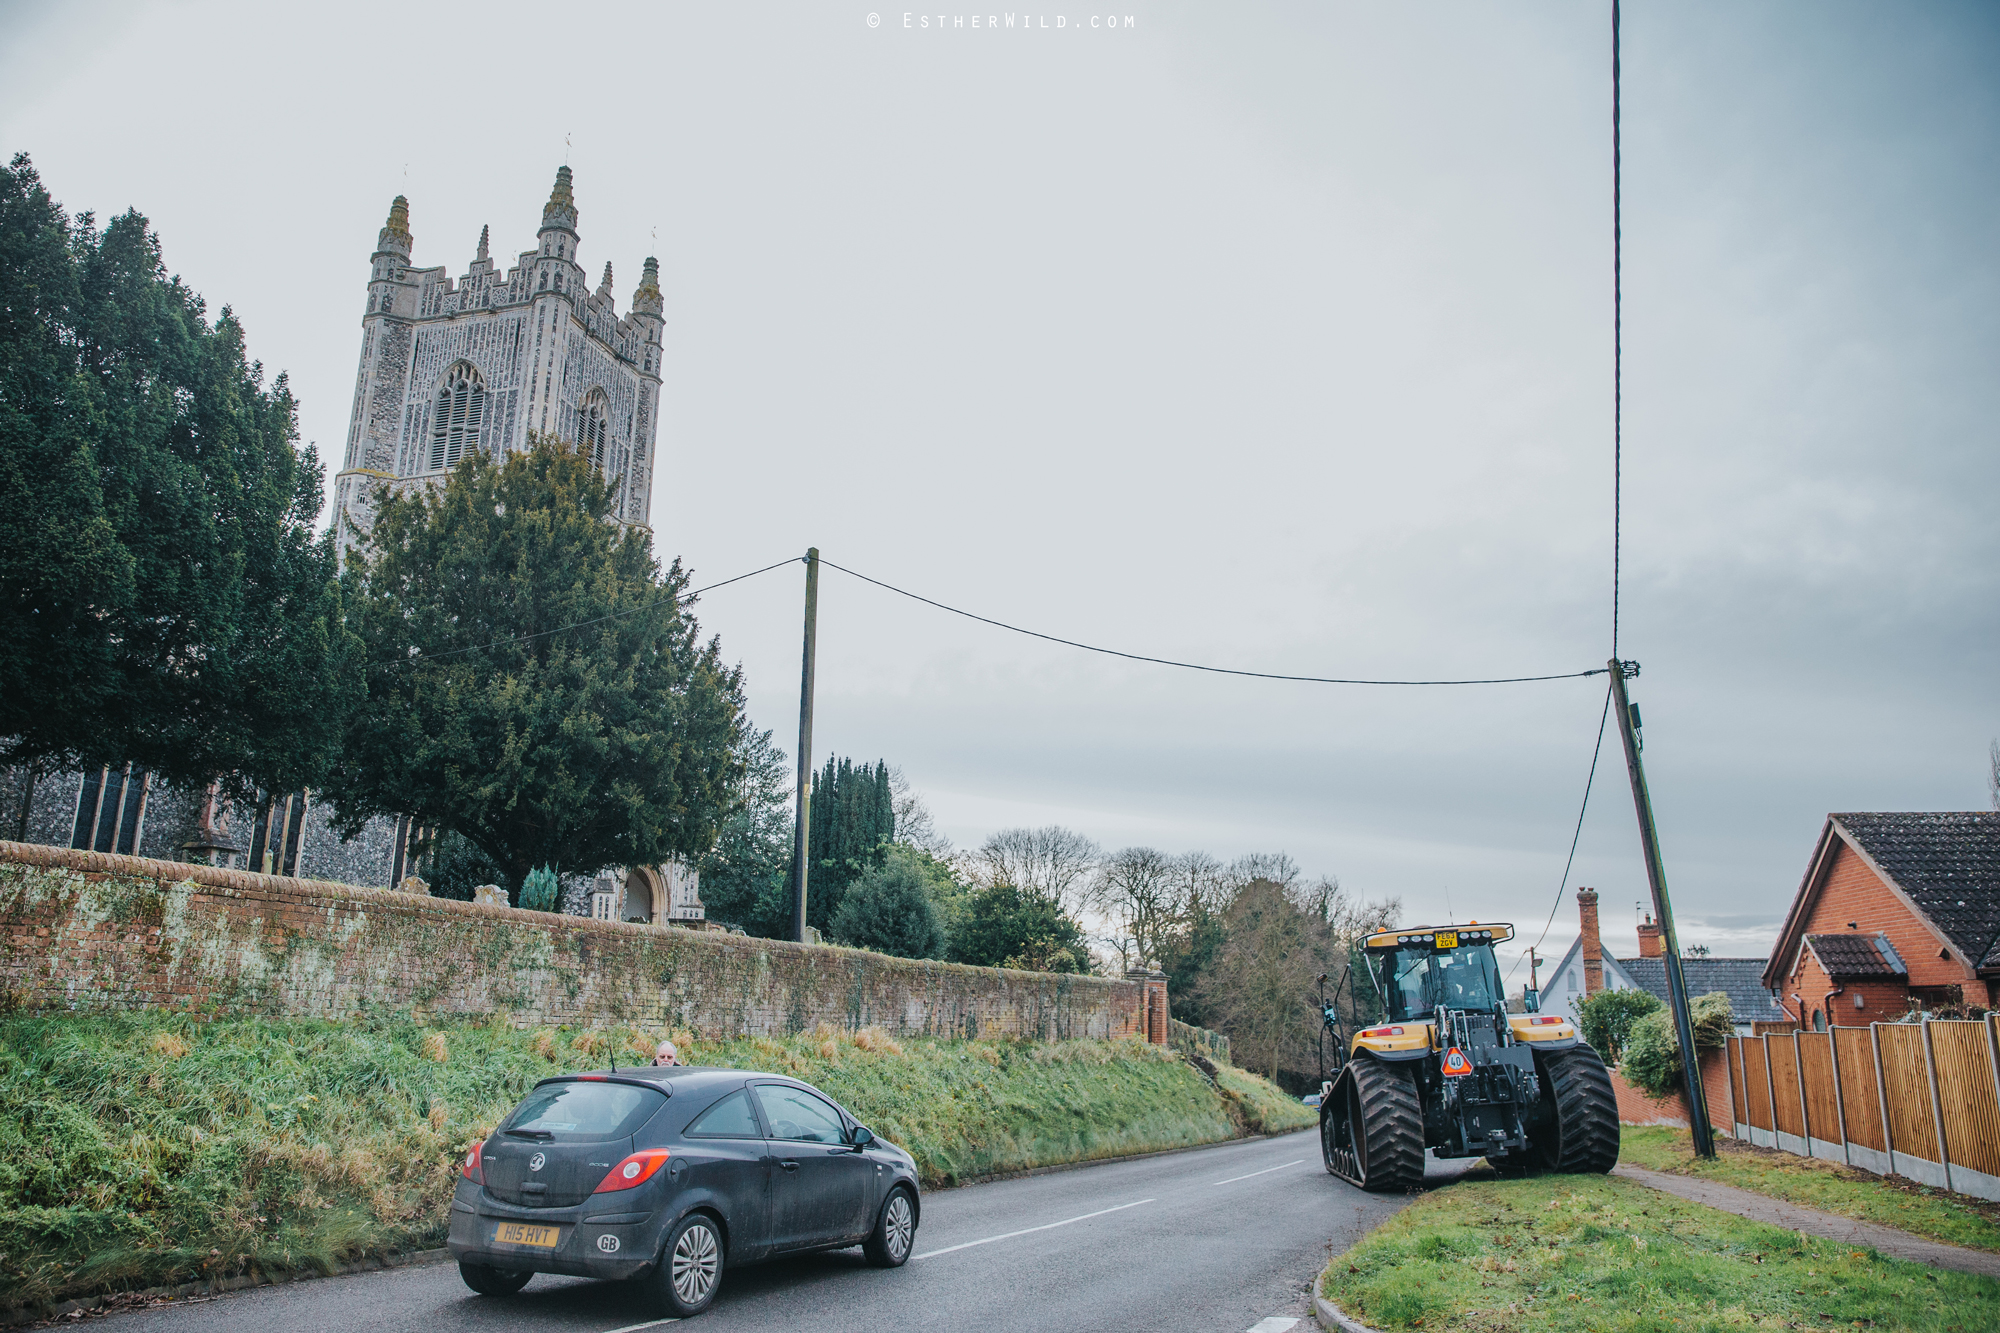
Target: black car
{"x": 663, "y": 1174}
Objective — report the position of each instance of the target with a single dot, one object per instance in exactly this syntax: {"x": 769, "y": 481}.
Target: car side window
{"x": 730, "y": 1118}
{"x": 797, "y": 1115}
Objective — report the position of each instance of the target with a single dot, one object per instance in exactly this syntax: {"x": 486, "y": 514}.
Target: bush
{"x": 1008, "y": 926}
{"x": 1606, "y": 1019}
{"x": 1653, "y": 1053}
{"x": 888, "y": 908}
{"x": 538, "y": 891}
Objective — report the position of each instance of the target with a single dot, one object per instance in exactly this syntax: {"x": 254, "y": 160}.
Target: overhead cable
{"x": 594, "y": 620}
{"x": 1196, "y": 666}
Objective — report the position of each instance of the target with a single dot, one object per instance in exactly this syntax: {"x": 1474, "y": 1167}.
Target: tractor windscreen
{"x": 1416, "y": 981}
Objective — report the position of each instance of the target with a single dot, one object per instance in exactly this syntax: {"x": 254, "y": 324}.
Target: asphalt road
{"x": 1222, "y": 1238}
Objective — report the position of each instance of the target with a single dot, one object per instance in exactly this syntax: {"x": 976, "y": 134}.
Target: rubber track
{"x": 1392, "y": 1128}
{"x": 1584, "y": 1137}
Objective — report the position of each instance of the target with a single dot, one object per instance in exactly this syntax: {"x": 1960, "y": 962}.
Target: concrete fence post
{"x": 1799, "y": 1074}
{"x": 1839, "y": 1092}
{"x": 1770, "y": 1090}
{"x": 1882, "y": 1097}
{"x": 1937, "y": 1104}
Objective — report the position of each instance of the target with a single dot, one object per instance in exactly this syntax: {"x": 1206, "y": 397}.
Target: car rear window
{"x": 585, "y": 1110}
{"x": 730, "y": 1118}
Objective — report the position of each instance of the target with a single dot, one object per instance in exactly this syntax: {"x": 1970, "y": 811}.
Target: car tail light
{"x": 1383, "y": 1032}
{"x": 1538, "y": 1022}
{"x": 634, "y": 1171}
{"x": 471, "y": 1170}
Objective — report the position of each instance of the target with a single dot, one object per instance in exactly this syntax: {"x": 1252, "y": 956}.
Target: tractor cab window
{"x": 1416, "y": 981}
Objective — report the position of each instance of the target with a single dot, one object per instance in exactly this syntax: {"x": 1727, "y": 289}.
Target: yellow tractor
{"x": 1449, "y": 1069}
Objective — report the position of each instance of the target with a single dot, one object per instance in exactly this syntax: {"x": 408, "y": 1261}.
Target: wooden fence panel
{"x": 1735, "y": 1053}
{"x": 1816, "y": 1072}
{"x": 1906, "y": 1086}
{"x": 1785, "y": 1087}
{"x": 1857, "y": 1088}
{"x": 1966, "y": 1094}
{"x": 1759, "y": 1091}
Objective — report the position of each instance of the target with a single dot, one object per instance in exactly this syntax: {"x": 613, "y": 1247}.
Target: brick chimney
{"x": 1593, "y": 947}
{"x": 1650, "y": 943}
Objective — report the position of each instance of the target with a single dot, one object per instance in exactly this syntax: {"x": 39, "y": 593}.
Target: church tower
{"x": 450, "y": 368}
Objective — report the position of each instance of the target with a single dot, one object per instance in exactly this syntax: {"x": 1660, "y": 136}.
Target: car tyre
{"x": 895, "y": 1234}
{"x": 490, "y": 1281}
{"x": 690, "y": 1268}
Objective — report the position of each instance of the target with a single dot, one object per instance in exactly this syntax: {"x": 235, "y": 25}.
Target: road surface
{"x": 1222, "y": 1238}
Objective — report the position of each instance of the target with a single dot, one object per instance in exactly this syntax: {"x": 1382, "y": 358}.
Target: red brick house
{"x": 1895, "y": 910}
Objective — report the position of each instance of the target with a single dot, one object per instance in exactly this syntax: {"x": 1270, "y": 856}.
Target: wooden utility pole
{"x": 802, "y": 825}
{"x": 1656, "y": 877}
{"x": 1533, "y": 985}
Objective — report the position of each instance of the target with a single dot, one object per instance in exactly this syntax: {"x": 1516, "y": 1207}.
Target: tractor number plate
{"x": 1447, "y": 939}
{"x": 520, "y": 1233}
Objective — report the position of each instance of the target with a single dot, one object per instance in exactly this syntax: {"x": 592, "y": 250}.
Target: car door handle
{"x": 789, "y": 1165}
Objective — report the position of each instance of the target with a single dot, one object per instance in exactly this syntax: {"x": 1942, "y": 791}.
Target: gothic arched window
{"x": 460, "y": 411}
{"x": 590, "y": 426}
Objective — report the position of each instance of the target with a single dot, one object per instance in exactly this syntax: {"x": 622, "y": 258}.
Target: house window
{"x": 461, "y": 410}
{"x": 1569, "y": 979}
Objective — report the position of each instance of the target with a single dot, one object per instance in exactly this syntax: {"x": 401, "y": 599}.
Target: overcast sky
{"x": 1271, "y": 337}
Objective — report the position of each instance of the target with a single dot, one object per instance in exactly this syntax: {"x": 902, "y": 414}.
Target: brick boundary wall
{"x": 89, "y": 931}
{"x": 1636, "y": 1107}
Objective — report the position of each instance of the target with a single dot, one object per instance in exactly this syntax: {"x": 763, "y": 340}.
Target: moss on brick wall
{"x": 89, "y": 932}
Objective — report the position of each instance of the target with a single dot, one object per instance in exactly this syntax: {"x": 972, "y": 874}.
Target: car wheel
{"x": 895, "y": 1234}
{"x": 490, "y": 1281}
{"x": 690, "y": 1266}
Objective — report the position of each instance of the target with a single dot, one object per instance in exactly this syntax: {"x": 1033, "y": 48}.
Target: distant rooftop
{"x": 1742, "y": 979}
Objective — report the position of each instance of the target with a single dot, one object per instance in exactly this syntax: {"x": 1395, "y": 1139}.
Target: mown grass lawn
{"x": 145, "y": 1149}
{"x": 1828, "y": 1186}
{"x": 1591, "y": 1254}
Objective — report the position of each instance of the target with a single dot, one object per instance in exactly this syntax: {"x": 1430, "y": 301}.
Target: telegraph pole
{"x": 802, "y": 824}
{"x": 1656, "y": 877}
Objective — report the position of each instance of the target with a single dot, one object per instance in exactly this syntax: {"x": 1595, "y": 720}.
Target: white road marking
{"x": 655, "y": 1323}
{"x": 1082, "y": 1217}
{"x": 1265, "y": 1172}
{"x": 1273, "y": 1325}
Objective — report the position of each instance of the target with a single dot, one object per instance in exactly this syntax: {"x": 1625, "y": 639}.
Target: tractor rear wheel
{"x": 1372, "y": 1134}
{"x": 1580, "y": 1133}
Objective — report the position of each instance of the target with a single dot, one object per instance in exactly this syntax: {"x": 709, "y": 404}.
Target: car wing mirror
{"x": 862, "y": 1137}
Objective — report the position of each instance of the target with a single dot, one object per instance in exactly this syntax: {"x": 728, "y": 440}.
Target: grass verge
{"x": 141, "y": 1150}
{"x": 1590, "y": 1254}
{"x": 1888, "y": 1201}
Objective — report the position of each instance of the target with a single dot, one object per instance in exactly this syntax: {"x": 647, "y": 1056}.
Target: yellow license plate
{"x": 1447, "y": 939}
{"x": 520, "y": 1233}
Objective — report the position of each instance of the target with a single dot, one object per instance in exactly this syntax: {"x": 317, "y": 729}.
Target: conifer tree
{"x": 853, "y": 820}
{"x": 534, "y": 684}
{"x": 163, "y": 598}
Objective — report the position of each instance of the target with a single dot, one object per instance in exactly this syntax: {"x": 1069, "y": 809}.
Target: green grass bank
{"x": 1890, "y": 1201}
{"x": 147, "y": 1149}
{"x": 1592, "y": 1254}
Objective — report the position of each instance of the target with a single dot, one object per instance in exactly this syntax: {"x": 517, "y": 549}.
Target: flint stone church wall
{"x": 91, "y": 932}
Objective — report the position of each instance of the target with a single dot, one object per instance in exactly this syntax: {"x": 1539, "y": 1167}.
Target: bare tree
{"x": 913, "y": 818}
{"x": 1052, "y": 862}
{"x": 1277, "y": 867}
{"x": 1136, "y": 892}
{"x": 1993, "y": 773}
{"x": 1263, "y": 975}
{"x": 1202, "y": 883}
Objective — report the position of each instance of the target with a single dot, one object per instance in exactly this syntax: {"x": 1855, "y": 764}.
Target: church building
{"x": 448, "y": 368}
